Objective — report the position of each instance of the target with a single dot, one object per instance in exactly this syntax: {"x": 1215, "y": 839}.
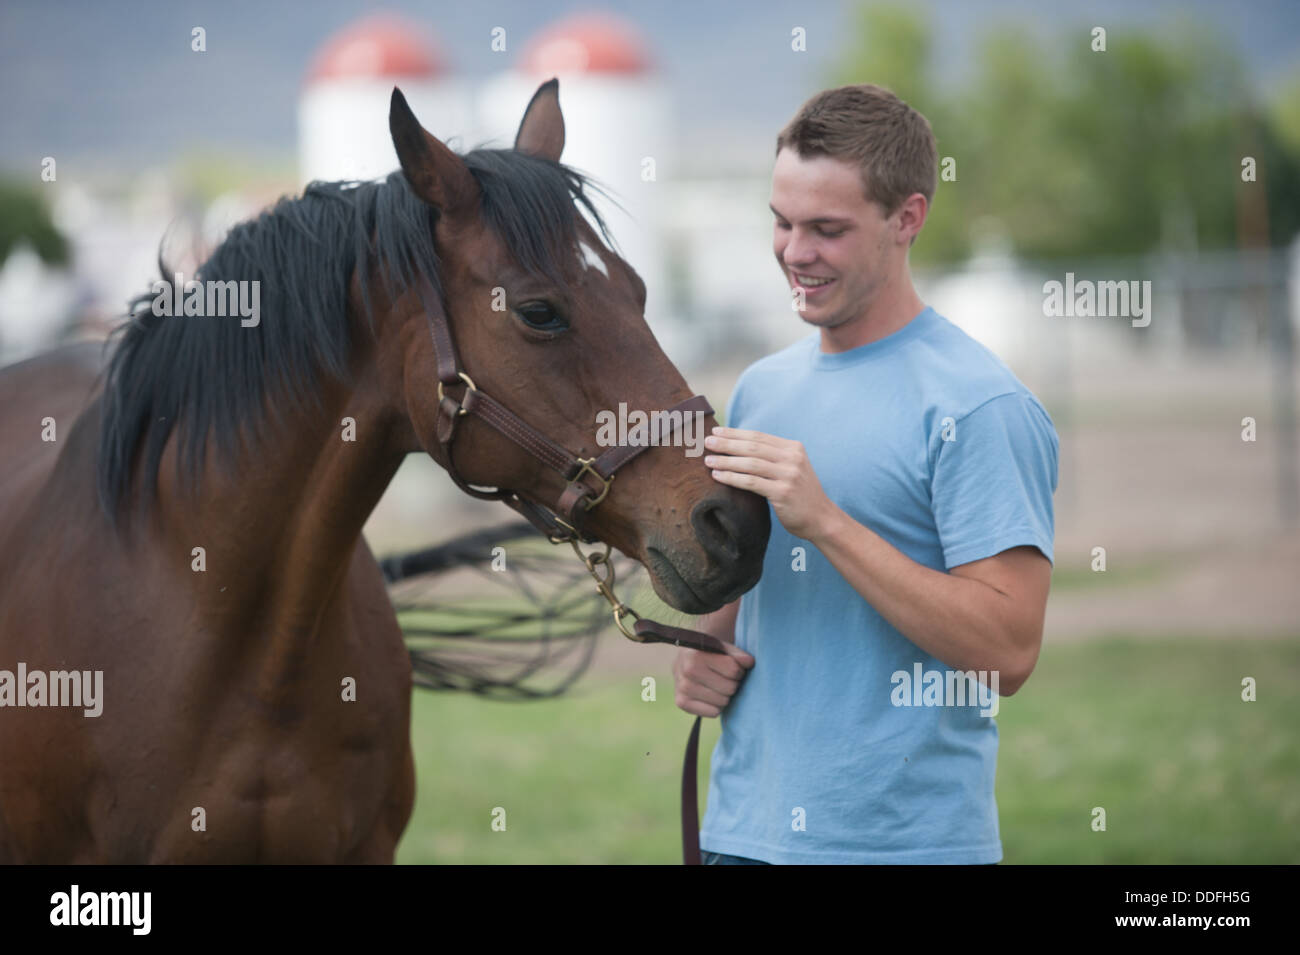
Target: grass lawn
{"x": 1154, "y": 732}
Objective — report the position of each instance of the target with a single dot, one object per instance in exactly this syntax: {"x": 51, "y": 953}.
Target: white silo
{"x": 617, "y": 128}
{"x": 343, "y": 109}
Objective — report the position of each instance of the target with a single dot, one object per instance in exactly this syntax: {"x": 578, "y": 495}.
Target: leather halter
{"x": 564, "y": 523}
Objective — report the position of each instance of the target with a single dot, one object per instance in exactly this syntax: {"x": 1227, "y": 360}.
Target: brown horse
{"x": 187, "y": 521}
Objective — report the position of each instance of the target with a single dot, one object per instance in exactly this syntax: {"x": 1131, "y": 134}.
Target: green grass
{"x": 589, "y": 777}
{"x": 1153, "y": 731}
{"x": 1144, "y": 574}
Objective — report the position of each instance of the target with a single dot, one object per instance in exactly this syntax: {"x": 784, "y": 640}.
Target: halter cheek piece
{"x": 564, "y": 524}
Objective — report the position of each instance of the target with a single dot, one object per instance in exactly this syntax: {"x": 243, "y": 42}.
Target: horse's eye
{"x": 542, "y": 316}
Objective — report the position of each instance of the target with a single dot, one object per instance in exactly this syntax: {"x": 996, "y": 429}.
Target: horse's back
{"x": 40, "y": 398}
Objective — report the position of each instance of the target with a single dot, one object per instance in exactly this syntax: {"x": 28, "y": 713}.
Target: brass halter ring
{"x": 468, "y": 381}
{"x": 587, "y": 468}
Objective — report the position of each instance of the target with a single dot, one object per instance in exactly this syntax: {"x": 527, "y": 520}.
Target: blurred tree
{"x": 1269, "y": 139}
{"x": 1150, "y": 118}
{"x": 1077, "y": 152}
{"x": 1014, "y": 162}
{"x": 1284, "y": 113}
{"x": 892, "y": 49}
{"x": 23, "y": 216}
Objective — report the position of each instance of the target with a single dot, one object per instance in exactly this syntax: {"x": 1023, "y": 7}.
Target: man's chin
{"x": 822, "y": 319}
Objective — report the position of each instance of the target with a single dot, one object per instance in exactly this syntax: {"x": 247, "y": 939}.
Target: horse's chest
{"x": 304, "y": 763}
{"x": 311, "y": 788}
{"x": 316, "y": 780}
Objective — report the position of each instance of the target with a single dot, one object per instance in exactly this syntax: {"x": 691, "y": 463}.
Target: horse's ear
{"x": 437, "y": 174}
{"x": 542, "y": 130}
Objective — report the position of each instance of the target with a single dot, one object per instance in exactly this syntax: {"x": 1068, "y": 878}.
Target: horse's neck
{"x": 282, "y": 525}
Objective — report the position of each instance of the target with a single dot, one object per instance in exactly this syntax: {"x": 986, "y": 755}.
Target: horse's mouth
{"x": 673, "y": 587}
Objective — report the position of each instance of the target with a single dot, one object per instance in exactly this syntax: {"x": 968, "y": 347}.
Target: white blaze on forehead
{"x": 593, "y": 259}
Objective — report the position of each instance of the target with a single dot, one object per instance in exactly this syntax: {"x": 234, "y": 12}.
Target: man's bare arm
{"x": 721, "y": 623}
{"x": 985, "y": 615}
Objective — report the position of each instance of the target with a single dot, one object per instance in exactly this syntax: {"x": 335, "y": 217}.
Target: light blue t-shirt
{"x": 929, "y": 440}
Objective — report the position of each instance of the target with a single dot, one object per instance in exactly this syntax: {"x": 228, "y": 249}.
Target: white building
{"x": 618, "y": 129}
{"x": 343, "y": 111}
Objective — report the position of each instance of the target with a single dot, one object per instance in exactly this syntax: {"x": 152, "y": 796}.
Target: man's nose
{"x": 798, "y": 252}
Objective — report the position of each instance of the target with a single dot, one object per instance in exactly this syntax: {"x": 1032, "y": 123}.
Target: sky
{"x": 116, "y": 84}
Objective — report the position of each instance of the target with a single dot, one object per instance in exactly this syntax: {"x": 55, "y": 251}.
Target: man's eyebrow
{"x": 821, "y": 220}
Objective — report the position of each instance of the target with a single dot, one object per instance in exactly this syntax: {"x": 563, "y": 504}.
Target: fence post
{"x": 1282, "y": 347}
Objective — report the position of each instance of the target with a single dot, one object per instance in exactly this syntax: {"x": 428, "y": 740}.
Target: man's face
{"x": 825, "y": 228}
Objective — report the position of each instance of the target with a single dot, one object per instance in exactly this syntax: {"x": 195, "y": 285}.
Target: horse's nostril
{"x": 716, "y": 530}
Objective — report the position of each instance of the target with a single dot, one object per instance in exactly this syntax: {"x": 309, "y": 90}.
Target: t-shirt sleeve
{"x": 993, "y": 478}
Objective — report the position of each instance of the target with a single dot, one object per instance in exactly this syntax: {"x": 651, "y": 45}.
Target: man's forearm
{"x": 721, "y": 623}
{"x": 967, "y": 624}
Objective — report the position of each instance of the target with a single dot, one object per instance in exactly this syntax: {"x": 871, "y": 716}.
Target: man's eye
{"x": 541, "y": 315}
{"x": 830, "y": 235}
{"x": 782, "y": 225}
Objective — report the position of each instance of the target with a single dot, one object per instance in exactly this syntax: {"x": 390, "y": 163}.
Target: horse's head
{"x": 549, "y": 322}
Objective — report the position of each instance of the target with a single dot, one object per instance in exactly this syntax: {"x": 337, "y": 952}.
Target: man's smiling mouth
{"x": 810, "y": 281}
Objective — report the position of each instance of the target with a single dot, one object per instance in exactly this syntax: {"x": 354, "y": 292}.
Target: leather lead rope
{"x": 690, "y": 799}
{"x": 564, "y": 525}
{"x": 652, "y": 631}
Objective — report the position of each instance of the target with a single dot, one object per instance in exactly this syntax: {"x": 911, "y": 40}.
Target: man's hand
{"x": 706, "y": 682}
{"x": 777, "y": 469}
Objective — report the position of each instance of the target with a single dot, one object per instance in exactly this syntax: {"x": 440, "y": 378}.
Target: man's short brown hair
{"x": 891, "y": 143}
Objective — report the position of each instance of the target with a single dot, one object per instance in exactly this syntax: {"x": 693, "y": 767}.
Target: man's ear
{"x": 542, "y": 130}
{"x": 436, "y": 174}
{"x": 911, "y": 215}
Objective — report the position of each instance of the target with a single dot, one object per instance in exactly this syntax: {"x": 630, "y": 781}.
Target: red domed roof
{"x": 587, "y": 43}
{"x": 377, "y": 46}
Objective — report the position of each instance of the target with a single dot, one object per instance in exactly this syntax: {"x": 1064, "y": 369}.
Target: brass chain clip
{"x": 605, "y": 587}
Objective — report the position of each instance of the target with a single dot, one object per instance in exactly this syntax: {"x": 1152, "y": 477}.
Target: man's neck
{"x": 895, "y": 306}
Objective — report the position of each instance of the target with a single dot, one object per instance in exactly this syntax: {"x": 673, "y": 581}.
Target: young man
{"x": 910, "y": 475}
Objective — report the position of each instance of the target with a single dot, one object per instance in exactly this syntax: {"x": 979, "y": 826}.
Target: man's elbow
{"x": 1021, "y": 663}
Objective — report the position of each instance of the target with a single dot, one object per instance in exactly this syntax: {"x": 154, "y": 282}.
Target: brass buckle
{"x": 468, "y": 381}
{"x": 587, "y": 468}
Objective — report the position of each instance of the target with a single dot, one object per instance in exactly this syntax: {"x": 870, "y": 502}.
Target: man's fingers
{"x": 737, "y": 654}
{"x": 699, "y": 709}
{"x": 756, "y": 466}
{"x": 742, "y": 434}
{"x": 723, "y": 677}
{"x": 746, "y": 482}
{"x": 735, "y": 446}
{"x": 691, "y": 692}
{"x": 706, "y": 682}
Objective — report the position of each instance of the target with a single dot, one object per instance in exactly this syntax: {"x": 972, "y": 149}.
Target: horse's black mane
{"x": 210, "y": 374}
